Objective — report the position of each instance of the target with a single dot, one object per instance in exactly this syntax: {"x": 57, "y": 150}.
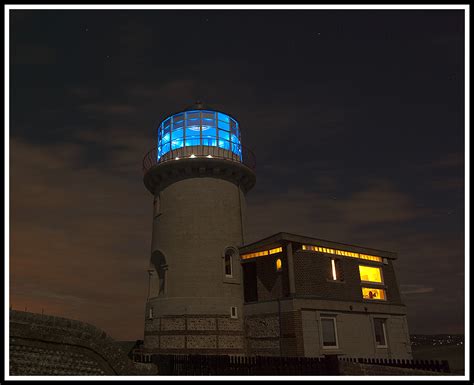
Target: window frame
{"x": 334, "y": 319}
{"x": 373, "y": 282}
{"x": 384, "y": 330}
{"x": 236, "y": 315}
{"x": 228, "y": 255}
{"x": 234, "y": 259}
{"x": 374, "y": 288}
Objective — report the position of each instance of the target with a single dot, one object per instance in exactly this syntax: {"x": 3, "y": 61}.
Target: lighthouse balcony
{"x": 227, "y": 150}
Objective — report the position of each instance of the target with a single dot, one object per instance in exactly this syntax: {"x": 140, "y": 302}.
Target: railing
{"x": 430, "y": 365}
{"x": 241, "y": 155}
{"x": 240, "y": 365}
{"x": 194, "y": 364}
{"x": 138, "y": 355}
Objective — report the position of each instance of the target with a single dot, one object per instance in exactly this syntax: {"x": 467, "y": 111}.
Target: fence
{"x": 193, "y": 365}
{"x": 429, "y": 365}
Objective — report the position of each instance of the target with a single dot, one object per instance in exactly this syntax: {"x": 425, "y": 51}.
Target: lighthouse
{"x": 198, "y": 173}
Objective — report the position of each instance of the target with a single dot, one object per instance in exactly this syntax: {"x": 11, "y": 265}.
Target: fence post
{"x": 445, "y": 366}
{"x": 332, "y": 364}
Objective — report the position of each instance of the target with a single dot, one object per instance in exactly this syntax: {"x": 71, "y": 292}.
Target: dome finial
{"x": 198, "y": 105}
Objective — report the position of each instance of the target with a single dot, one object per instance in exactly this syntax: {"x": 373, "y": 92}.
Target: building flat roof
{"x": 277, "y": 238}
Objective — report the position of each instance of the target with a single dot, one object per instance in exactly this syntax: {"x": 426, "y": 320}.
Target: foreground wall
{"x": 49, "y": 345}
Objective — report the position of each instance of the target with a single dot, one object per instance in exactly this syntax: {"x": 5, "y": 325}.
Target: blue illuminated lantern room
{"x": 199, "y": 131}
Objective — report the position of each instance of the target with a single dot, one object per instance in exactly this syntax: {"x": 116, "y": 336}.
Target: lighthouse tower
{"x": 199, "y": 174}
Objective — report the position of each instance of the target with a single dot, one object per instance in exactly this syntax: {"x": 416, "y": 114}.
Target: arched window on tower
{"x": 228, "y": 263}
{"x": 158, "y": 261}
{"x": 229, "y": 259}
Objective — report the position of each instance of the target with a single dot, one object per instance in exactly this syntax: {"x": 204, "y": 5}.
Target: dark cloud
{"x": 415, "y": 289}
{"x": 358, "y": 132}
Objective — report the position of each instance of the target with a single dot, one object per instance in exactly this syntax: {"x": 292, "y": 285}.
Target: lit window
{"x": 278, "y": 264}
{"x": 262, "y": 253}
{"x": 276, "y": 250}
{"x": 370, "y": 274}
{"x": 329, "y": 332}
{"x": 228, "y": 263}
{"x": 380, "y": 333}
{"x": 336, "y": 274}
{"x": 333, "y": 269}
{"x": 341, "y": 252}
{"x": 375, "y": 294}
{"x": 254, "y": 255}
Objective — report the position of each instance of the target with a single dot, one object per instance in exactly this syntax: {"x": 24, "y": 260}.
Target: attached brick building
{"x": 310, "y": 297}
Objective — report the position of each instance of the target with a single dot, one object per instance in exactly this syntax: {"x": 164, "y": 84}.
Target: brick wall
{"x": 313, "y": 278}
{"x": 270, "y": 283}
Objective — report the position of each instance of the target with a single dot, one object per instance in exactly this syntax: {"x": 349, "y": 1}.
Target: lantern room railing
{"x": 231, "y": 151}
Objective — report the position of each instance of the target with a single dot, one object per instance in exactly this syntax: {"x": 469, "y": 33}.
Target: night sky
{"x": 356, "y": 119}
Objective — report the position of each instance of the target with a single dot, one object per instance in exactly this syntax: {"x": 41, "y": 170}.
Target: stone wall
{"x": 48, "y": 345}
{"x": 263, "y": 334}
{"x": 191, "y": 334}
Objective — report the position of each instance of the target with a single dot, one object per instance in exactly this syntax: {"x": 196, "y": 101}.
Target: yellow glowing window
{"x": 276, "y": 250}
{"x": 278, "y": 264}
{"x": 341, "y": 252}
{"x": 375, "y": 294}
{"x": 262, "y": 253}
{"x": 370, "y": 274}
{"x": 255, "y": 255}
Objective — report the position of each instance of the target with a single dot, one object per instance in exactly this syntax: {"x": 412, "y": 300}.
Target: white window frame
{"x": 334, "y": 320}
{"x": 233, "y": 253}
{"x": 150, "y": 312}
{"x": 384, "y": 329}
{"x": 236, "y": 315}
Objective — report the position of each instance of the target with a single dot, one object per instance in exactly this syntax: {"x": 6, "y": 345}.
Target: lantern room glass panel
{"x": 199, "y": 127}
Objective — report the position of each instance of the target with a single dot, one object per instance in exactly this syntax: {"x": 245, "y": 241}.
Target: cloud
{"x": 415, "y": 289}
{"x": 380, "y": 203}
{"x": 325, "y": 215}
{"x": 79, "y": 237}
{"x": 112, "y": 109}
